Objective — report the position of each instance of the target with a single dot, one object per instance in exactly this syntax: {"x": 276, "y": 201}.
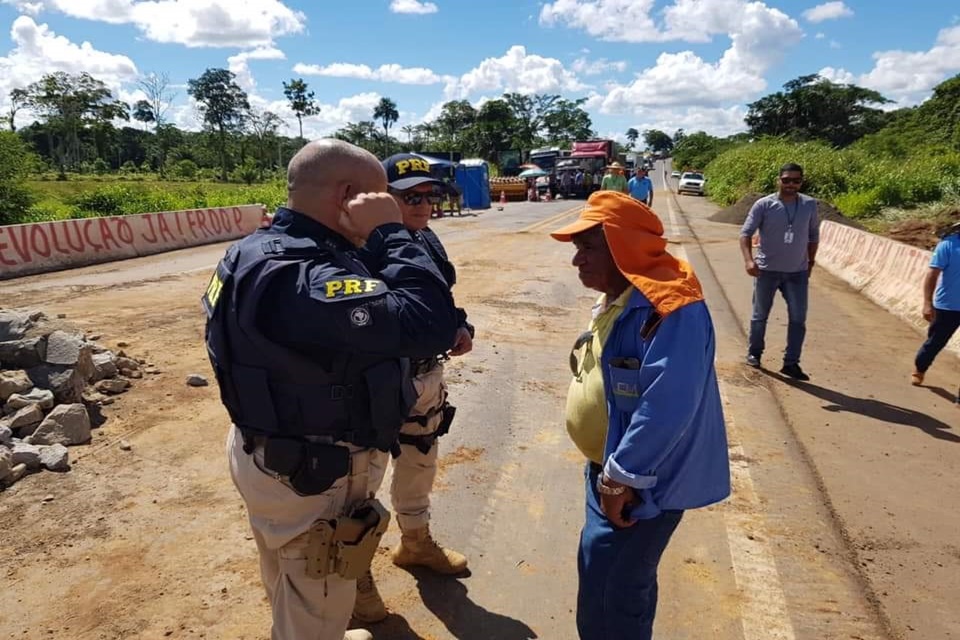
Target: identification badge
{"x": 788, "y": 237}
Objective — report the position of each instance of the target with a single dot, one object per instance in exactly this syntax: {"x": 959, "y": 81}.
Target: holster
{"x": 346, "y": 545}
{"x": 425, "y": 442}
{"x": 310, "y": 468}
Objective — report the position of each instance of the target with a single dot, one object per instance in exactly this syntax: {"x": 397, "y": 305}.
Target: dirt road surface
{"x": 843, "y": 523}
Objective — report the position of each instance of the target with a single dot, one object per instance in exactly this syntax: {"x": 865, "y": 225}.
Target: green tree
{"x": 15, "y": 161}
{"x": 632, "y": 135}
{"x": 529, "y": 113}
{"x": 493, "y": 129}
{"x": 813, "y": 108}
{"x": 363, "y": 134}
{"x": 386, "y": 112}
{"x": 222, "y": 103}
{"x": 68, "y": 104}
{"x": 302, "y": 101}
{"x": 566, "y": 121}
{"x": 697, "y": 150}
{"x": 264, "y": 125}
{"x": 452, "y": 126}
{"x": 143, "y": 112}
{"x": 657, "y": 141}
{"x": 18, "y": 100}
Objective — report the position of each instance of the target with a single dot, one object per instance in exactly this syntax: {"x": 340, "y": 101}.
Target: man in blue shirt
{"x": 789, "y": 229}
{"x": 665, "y": 444}
{"x": 641, "y": 187}
{"x": 941, "y": 301}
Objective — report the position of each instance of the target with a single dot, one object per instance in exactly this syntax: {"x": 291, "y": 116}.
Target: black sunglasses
{"x": 585, "y": 338}
{"x": 413, "y": 198}
{"x": 791, "y": 180}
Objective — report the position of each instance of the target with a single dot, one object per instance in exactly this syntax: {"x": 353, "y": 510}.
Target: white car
{"x": 675, "y": 174}
{"x": 691, "y": 182}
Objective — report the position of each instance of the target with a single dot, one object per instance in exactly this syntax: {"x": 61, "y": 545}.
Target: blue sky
{"x": 640, "y": 63}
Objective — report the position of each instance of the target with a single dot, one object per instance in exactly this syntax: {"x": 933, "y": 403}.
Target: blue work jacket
{"x": 666, "y": 436}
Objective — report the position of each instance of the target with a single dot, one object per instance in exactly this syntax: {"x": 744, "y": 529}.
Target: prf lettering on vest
{"x": 350, "y": 287}
{"x": 414, "y": 164}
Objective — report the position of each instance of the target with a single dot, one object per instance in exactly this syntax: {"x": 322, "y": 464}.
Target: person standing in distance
{"x": 414, "y": 470}
{"x": 641, "y": 187}
{"x": 614, "y": 180}
{"x": 311, "y": 345}
{"x": 941, "y": 301}
{"x": 789, "y": 229}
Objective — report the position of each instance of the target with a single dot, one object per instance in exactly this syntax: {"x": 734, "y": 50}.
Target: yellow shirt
{"x": 586, "y": 401}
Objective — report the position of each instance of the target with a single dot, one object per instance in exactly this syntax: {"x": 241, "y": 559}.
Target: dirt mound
{"x": 923, "y": 233}
{"x": 737, "y": 213}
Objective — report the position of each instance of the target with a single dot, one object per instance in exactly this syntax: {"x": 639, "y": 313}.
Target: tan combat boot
{"x": 369, "y": 606}
{"x": 358, "y": 634}
{"x": 418, "y": 548}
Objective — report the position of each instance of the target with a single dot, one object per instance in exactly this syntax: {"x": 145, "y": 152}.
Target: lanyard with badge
{"x": 788, "y": 234}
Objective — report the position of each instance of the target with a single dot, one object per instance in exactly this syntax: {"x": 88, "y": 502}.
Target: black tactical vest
{"x": 438, "y": 254}
{"x": 273, "y": 390}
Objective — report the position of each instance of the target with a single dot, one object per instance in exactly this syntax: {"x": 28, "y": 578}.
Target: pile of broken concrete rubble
{"x": 51, "y": 375}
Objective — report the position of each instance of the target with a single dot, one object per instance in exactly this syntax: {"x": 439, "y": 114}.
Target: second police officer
{"x": 416, "y": 191}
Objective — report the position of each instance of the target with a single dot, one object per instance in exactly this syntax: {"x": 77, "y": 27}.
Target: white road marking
{"x": 763, "y": 607}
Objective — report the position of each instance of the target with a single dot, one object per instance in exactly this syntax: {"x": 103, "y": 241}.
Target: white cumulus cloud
{"x": 616, "y": 20}
{"x": 596, "y": 67}
{"x": 828, "y": 11}
{"x": 413, "y": 6}
{"x": 193, "y": 23}
{"x": 384, "y": 73}
{"x": 238, "y": 64}
{"x": 908, "y": 76}
{"x": 515, "y": 71}
{"x": 759, "y": 37}
{"x": 38, "y": 51}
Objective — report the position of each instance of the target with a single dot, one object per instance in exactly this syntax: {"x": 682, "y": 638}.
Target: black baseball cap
{"x": 406, "y": 170}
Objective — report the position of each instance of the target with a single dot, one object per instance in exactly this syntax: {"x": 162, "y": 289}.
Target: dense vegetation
{"x": 73, "y": 161}
{"x": 866, "y": 162}
{"x": 115, "y": 170}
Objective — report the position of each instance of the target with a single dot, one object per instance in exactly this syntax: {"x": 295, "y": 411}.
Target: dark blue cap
{"x": 406, "y": 170}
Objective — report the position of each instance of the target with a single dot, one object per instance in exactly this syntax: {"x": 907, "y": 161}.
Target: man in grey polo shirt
{"x": 789, "y": 235}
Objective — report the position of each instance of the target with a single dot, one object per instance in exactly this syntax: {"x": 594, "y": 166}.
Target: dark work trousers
{"x": 944, "y": 324}
{"x": 617, "y": 595}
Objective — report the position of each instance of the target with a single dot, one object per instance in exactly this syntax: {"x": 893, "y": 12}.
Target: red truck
{"x": 592, "y": 156}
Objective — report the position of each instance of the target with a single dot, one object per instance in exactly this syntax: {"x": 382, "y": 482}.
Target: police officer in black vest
{"x": 311, "y": 348}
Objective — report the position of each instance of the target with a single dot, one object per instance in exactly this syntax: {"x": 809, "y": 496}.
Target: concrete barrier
{"x": 51, "y": 246}
{"x": 888, "y": 272}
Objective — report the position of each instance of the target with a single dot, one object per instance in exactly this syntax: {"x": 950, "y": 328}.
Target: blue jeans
{"x": 944, "y": 325}
{"x": 617, "y": 596}
{"x": 794, "y": 287}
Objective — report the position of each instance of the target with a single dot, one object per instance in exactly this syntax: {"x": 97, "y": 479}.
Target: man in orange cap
{"x": 643, "y": 407}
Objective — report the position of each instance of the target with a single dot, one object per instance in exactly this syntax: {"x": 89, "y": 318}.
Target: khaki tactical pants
{"x": 414, "y": 472}
{"x": 304, "y": 608}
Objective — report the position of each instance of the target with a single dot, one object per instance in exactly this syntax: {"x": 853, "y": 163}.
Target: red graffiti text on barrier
{"x": 23, "y": 244}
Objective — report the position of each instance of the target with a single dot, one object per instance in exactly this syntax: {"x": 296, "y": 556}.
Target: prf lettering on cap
{"x": 351, "y": 288}
{"x": 414, "y": 164}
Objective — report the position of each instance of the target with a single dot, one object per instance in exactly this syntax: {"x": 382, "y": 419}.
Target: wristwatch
{"x": 608, "y": 490}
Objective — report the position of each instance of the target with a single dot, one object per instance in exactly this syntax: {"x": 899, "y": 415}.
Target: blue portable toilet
{"x": 473, "y": 178}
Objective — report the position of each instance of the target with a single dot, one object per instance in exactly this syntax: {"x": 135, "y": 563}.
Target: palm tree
{"x": 386, "y": 112}
{"x": 632, "y": 135}
{"x": 409, "y": 129}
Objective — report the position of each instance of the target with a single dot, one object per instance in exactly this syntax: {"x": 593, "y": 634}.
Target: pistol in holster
{"x": 346, "y": 545}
